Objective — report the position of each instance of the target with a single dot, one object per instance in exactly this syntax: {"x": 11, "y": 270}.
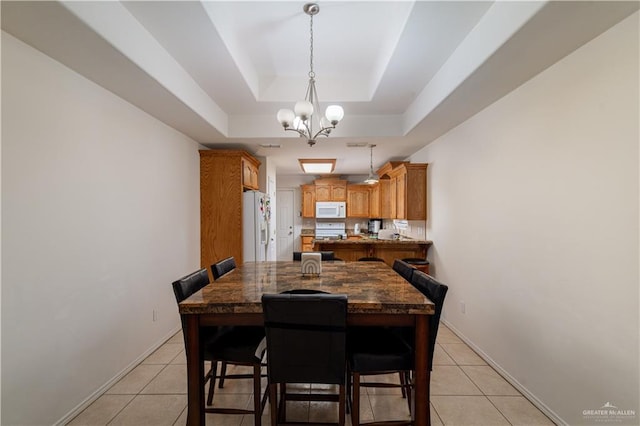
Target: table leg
{"x": 195, "y": 373}
{"x": 421, "y": 406}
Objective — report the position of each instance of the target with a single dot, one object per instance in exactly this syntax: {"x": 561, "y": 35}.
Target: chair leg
{"x": 341, "y": 408}
{"x": 223, "y": 372}
{"x": 257, "y": 400}
{"x": 355, "y": 406}
{"x": 282, "y": 405}
{"x": 407, "y": 379}
{"x": 212, "y": 382}
{"x": 273, "y": 403}
{"x": 403, "y": 383}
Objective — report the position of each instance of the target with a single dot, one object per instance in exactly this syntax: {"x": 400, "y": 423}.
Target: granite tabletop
{"x": 371, "y": 287}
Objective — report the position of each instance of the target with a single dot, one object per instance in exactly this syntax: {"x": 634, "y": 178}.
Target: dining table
{"x": 377, "y": 296}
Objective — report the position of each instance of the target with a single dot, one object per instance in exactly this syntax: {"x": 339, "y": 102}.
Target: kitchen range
{"x": 330, "y": 230}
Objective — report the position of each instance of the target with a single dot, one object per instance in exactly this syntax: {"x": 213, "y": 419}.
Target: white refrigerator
{"x": 256, "y": 212}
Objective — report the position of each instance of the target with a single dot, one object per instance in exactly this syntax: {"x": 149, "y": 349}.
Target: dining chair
{"x": 370, "y": 259}
{"x": 228, "y": 345}
{"x": 306, "y": 344}
{"x": 223, "y": 267}
{"x": 378, "y": 350}
{"x": 404, "y": 269}
{"x": 325, "y": 255}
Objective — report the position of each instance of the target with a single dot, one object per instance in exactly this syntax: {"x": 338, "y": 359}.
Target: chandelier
{"x": 372, "y": 178}
{"x": 304, "y": 117}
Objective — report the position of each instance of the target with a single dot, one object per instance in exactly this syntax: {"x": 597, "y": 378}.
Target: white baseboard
{"x": 102, "y": 389}
{"x": 523, "y": 390}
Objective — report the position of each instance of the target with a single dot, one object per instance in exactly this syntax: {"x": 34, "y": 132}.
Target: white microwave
{"x": 331, "y": 210}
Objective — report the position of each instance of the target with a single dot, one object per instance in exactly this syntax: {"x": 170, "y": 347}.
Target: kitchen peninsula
{"x": 355, "y": 248}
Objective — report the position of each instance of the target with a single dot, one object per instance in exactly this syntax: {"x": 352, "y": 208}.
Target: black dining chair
{"x": 324, "y": 255}
{"x": 404, "y": 269}
{"x": 370, "y": 259}
{"x": 377, "y": 350}
{"x": 228, "y": 345}
{"x": 306, "y": 344}
{"x": 223, "y": 267}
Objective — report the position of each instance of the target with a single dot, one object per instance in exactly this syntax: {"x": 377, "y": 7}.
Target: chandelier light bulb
{"x": 303, "y": 109}
{"x": 285, "y": 117}
{"x": 334, "y": 114}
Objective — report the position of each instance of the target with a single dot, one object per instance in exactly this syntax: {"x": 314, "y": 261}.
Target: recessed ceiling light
{"x": 317, "y": 165}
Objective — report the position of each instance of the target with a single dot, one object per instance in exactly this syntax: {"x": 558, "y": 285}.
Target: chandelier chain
{"x": 311, "y": 73}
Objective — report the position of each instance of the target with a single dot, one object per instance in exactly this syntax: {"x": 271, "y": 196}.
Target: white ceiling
{"x": 405, "y": 72}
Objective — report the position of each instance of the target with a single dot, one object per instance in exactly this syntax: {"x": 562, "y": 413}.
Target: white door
{"x": 284, "y": 218}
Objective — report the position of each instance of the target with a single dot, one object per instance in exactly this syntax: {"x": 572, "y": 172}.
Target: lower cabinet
{"x": 351, "y": 252}
{"x": 306, "y": 243}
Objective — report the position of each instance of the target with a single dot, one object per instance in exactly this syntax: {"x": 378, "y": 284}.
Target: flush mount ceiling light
{"x": 372, "y": 178}
{"x": 317, "y": 165}
{"x": 305, "y": 115}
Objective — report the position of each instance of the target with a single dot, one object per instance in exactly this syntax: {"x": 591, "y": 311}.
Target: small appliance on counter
{"x": 374, "y": 226}
{"x": 356, "y": 229}
{"x": 387, "y": 234}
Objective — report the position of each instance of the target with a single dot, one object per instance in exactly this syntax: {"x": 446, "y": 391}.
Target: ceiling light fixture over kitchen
{"x": 372, "y": 178}
{"x": 303, "y": 120}
{"x": 317, "y": 165}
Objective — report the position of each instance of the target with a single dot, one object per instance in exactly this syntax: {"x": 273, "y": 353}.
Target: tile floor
{"x": 464, "y": 391}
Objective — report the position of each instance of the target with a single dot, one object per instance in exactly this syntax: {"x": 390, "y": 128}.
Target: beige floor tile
{"x": 467, "y": 410}
{"x": 325, "y": 412}
{"x": 152, "y": 410}
{"x": 519, "y": 411}
{"x": 462, "y": 354}
{"x": 389, "y": 407}
{"x": 451, "y": 380}
{"x": 102, "y": 410}
{"x": 440, "y": 357}
{"x": 435, "y": 418}
{"x": 177, "y": 338}
{"x": 136, "y": 380}
{"x": 446, "y": 336}
{"x": 171, "y": 380}
{"x": 366, "y": 412}
{"x": 182, "y": 420}
{"x": 181, "y": 358}
{"x": 488, "y": 380}
{"x": 164, "y": 354}
{"x": 228, "y": 401}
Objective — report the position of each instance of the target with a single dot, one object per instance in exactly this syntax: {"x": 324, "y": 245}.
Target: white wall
{"x": 100, "y": 213}
{"x": 533, "y": 210}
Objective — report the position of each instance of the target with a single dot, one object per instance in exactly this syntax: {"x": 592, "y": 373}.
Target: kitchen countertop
{"x": 366, "y": 240}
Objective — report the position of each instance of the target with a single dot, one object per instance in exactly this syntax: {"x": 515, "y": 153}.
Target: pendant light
{"x": 372, "y": 178}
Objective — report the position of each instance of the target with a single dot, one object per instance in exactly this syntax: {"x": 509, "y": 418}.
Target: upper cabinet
{"x": 403, "y": 191}
{"x": 331, "y": 190}
{"x": 358, "y": 197}
{"x": 250, "y": 172}
{"x": 308, "y": 200}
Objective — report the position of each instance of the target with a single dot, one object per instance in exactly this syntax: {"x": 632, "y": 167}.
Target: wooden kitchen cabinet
{"x": 358, "y": 200}
{"x": 306, "y": 243}
{"x": 224, "y": 174}
{"x": 331, "y": 190}
{"x": 250, "y": 173}
{"x": 308, "y": 200}
{"x": 411, "y": 191}
{"x": 403, "y": 190}
{"x": 374, "y": 201}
